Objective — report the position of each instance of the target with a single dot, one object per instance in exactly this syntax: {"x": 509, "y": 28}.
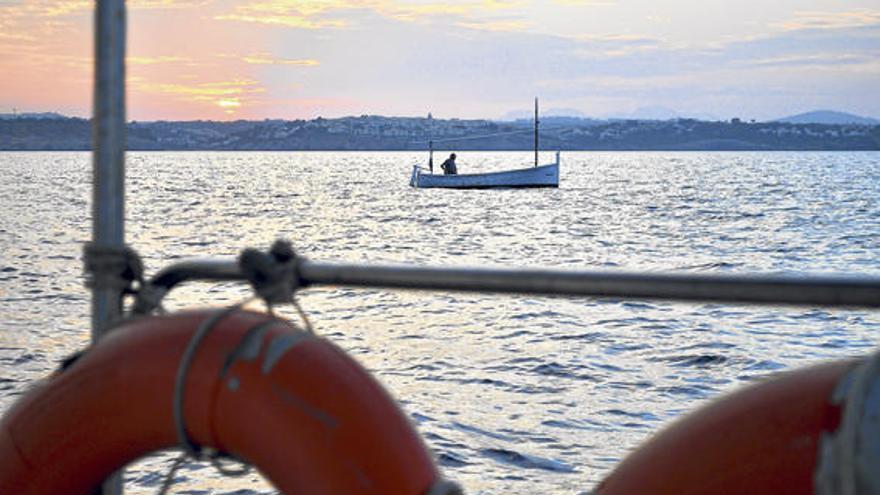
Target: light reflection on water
{"x": 516, "y": 394}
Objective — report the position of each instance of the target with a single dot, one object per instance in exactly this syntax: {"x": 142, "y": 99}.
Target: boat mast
{"x": 108, "y": 169}
{"x": 430, "y": 142}
{"x": 536, "y": 132}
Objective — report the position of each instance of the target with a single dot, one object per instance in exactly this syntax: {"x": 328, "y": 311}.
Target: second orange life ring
{"x": 763, "y": 439}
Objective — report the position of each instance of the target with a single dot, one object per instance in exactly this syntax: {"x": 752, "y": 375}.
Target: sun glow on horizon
{"x": 229, "y": 105}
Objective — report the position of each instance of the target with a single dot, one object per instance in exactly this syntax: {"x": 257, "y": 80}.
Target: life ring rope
{"x": 186, "y": 442}
{"x": 189, "y": 448}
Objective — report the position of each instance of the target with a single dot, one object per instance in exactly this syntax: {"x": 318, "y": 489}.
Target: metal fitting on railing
{"x": 274, "y": 276}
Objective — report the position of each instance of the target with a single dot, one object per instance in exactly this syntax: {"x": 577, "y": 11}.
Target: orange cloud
{"x": 280, "y": 20}
{"x": 318, "y": 14}
{"x": 297, "y": 14}
{"x": 44, "y": 8}
{"x": 584, "y": 3}
{"x": 162, "y": 59}
{"x": 498, "y": 26}
{"x": 63, "y": 8}
{"x": 53, "y": 8}
{"x": 831, "y": 20}
{"x": 265, "y": 59}
{"x": 204, "y": 91}
{"x": 165, "y": 4}
{"x": 227, "y": 96}
{"x": 8, "y": 35}
{"x": 468, "y": 9}
{"x": 819, "y": 61}
{"x": 417, "y": 12}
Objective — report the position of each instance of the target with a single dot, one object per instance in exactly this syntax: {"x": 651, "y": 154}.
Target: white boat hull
{"x": 543, "y": 176}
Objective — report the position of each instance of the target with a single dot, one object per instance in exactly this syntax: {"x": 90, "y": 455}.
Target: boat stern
{"x": 414, "y": 179}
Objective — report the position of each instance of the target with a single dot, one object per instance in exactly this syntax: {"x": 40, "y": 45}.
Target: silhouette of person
{"x": 448, "y": 166}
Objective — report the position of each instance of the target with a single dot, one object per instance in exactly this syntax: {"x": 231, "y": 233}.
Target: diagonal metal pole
{"x": 108, "y": 168}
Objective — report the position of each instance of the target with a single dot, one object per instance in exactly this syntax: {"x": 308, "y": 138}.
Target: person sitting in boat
{"x": 448, "y": 166}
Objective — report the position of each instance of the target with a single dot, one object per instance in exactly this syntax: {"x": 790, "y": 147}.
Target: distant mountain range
{"x": 519, "y": 115}
{"x": 663, "y": 113}
{"x": 642, "y": 113}
{"x": 828, "y": 117}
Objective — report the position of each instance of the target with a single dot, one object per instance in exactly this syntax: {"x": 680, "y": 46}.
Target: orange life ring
{"x": 763, "y": 439}
{"x": 295, "y": 406}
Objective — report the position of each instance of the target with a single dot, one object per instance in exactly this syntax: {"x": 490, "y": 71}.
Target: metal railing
{"x": 830, "y": 291}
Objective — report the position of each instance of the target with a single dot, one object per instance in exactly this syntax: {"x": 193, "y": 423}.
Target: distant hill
{"x": 44, "y": 115}
{"x": 828, "y": 117}
{"x": 516, "y": 115}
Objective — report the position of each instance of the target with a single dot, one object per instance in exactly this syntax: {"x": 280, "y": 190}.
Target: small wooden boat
{"x": 537, "y": 176}
{"x": 542, "y": 176}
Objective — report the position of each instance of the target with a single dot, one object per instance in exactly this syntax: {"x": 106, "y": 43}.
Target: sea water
{"x": 514, "y": 394}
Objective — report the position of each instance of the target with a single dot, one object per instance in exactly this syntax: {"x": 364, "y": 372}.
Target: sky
{"x": 258, "y": 59}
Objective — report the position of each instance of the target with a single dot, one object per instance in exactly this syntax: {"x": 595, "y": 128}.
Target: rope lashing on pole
{"x": 275, "y": 276}
{"x": 111, "y": 266}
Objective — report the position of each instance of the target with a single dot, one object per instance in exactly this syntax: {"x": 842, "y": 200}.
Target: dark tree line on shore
{"x": 399, "y": 133}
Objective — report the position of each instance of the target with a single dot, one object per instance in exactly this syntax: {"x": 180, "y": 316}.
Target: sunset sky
{"x": 255, "y": 59}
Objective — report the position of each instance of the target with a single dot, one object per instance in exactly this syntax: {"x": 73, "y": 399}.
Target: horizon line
{"x": 430, "y": 116}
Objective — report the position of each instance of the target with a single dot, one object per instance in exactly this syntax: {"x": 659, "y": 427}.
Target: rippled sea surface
{"x": 515, "y": 394}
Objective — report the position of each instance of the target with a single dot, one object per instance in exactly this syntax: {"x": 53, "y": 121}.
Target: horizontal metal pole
{"x": 766, "y": 289}
{"x": 190, "y": 270}
{"x": 150, "y": 297}
{"x": 823, "y": 291}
